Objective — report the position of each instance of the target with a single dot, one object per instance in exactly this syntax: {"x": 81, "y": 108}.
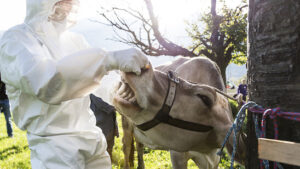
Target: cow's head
{"x": 139, "y": 98}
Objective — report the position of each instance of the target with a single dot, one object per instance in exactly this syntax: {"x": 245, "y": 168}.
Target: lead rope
{"x": 236, "y": 127}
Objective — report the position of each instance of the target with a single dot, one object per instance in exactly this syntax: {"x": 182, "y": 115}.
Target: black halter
{"x": 163, "y": 115}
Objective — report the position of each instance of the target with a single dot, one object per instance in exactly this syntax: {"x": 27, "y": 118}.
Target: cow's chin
{"x": 125, "y": 99}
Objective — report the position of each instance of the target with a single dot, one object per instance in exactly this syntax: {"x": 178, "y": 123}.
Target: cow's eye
{"x": 206, "y": 100}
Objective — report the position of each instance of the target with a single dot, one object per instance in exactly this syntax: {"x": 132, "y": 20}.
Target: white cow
{"x": 195, "y": 118}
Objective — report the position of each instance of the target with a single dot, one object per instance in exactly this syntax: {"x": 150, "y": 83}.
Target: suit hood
{"x": 37, "y": 13}
{"x": 38, "y": 10}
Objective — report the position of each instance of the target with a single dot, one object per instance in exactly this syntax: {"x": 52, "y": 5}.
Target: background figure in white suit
{"x": 49, "y": 73}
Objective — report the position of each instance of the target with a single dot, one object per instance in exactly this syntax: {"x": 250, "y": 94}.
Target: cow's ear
{"x": 206, "y": 94}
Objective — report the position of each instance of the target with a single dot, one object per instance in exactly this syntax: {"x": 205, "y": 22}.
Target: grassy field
{"x": 15, "y": 154}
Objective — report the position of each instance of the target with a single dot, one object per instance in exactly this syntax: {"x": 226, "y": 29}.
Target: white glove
{"x": 129, "y": 60}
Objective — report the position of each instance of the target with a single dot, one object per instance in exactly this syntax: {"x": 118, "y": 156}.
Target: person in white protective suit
{"x": 49, "y": 73}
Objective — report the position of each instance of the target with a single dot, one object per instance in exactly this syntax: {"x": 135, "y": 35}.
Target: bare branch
{"x": 122, "y": 25}
{"x": 173, "y": 49}
{"x": 148, "y": 28}
{"x": 207, "y": 54}
{"x": 136, "y": 14}
{"x": 195, "y": 47}
{"x": 205, "y": 42}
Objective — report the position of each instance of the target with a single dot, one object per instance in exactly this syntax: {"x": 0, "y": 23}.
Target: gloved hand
{"x": 129, "y": 60}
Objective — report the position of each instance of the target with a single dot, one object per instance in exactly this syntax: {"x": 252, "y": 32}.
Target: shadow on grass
{"x": 3, "y": 138}
{"x": 4, "y": 154}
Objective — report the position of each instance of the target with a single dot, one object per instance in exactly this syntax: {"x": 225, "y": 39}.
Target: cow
{"x": 106, "y": 120}
{"x": 179, "y": 159}
{"x": 128, "y": 146}
{"x": 184, "y": 113}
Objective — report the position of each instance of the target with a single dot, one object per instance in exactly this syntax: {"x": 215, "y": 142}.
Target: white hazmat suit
{"x": 48, "y": 73}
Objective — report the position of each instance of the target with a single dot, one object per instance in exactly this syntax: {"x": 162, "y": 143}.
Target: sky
{"x": 170, "y": 12}
{"x": 171, "y": 15}
{"x": 11, "y": 14}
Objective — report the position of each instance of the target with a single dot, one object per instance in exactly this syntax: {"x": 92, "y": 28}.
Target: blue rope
{"x": 258, "y": 134}
{"x": 236, "y": 127}
{"x": 279, "y": 166}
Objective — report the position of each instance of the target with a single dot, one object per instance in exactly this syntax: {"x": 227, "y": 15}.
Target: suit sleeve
{"x": 25, "y": 66}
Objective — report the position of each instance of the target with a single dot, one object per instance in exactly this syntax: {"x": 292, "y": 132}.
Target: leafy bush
{"x": 234, "y": 107}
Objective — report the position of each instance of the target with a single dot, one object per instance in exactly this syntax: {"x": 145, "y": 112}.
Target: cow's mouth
{"x": 125, "y": 95}
{"x": 130, "y": 93}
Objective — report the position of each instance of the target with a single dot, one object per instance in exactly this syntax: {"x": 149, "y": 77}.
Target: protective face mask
{"x": 63, "y": 25}
{"x": 64, "y": 14}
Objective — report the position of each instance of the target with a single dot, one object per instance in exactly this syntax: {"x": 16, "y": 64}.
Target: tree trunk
{"x": 222, "y": 66}
{"x": 274, "y": 67}
{"x": 223, "y": 73}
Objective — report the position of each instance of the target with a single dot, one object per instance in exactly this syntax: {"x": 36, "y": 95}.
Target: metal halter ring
{"x": 173, "y": 76}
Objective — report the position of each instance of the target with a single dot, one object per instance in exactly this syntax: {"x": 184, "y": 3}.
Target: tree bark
{"x": 222, "y": 66}
{"x": 274, "y": 67}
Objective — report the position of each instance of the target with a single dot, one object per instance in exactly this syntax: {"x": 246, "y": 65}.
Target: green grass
{"x": 15, "y": 154}
{"x": 154, "y": 159}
